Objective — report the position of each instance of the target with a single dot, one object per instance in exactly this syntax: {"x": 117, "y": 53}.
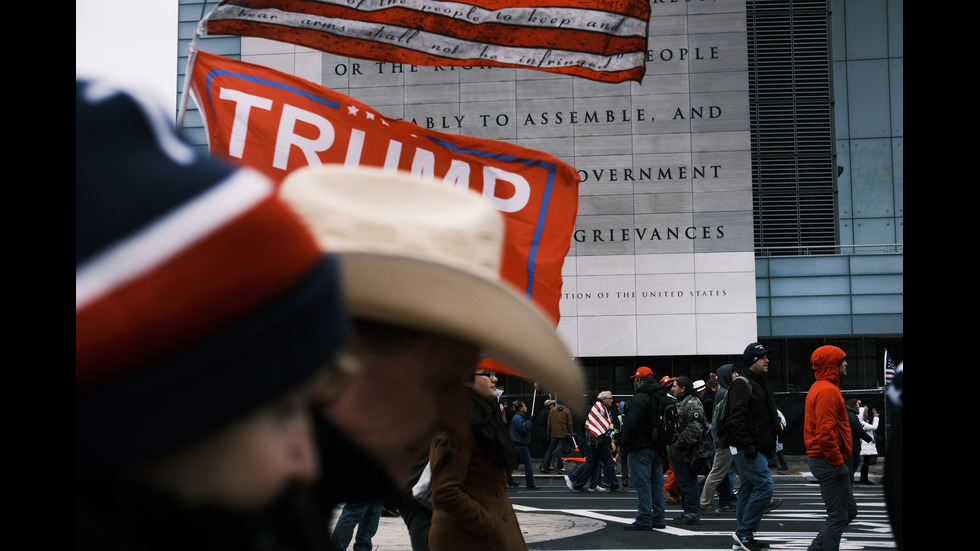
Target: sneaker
{"x": 599, "y": 489}
{"x": 583, "y": 490}
{"x": 760, "y": 544}
{"x": 533, "y": 487}
{"x": 619, "y": 490}
{"x": 685, "y": 521}
{"x": 545, "y": 471}
{"x": 745, "y": 544}
{"x": 709, "y": 511}
{"x": 659, "y": 526}
{"x": 728, "y": 509}
{"x": 773, "y": 504}
{"x": 568, "y": 482}
{"x": 513, "y": 484}
{"x": 638, "y": 527}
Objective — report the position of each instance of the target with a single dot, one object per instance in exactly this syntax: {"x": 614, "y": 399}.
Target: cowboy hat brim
{"x": 445, "y": 300}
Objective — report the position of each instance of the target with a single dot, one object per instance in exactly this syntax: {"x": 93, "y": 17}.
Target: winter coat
{"x": 560, "y": 422}
{"x": 826, "y": 429}
{"x": 520, "y": 429}
{"x": 471, "y": 507}
{"x": 752, "y": 420}
{"x": 690, "y": 424}
{"x": 636, "y": 426}
{"x": 868, "y": 448}
{"x": 857, "y": 433}
{"x": 724, "y": 380}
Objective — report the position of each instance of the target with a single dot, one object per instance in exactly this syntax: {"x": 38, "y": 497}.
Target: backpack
{"x": 663, "y": 420}
{"x": 720, "y": 427}
{"x": 704, "y": 453}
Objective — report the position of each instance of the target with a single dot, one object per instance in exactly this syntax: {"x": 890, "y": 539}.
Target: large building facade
{"x": 779, "y": 141}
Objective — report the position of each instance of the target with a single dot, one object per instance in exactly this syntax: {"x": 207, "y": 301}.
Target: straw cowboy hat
{"x": 416, "y": 253}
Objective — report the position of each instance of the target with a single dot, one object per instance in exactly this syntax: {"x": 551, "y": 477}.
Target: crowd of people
{"x": 238, "y": 338}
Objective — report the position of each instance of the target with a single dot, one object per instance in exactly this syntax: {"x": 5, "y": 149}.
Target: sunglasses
{"x": 487, "y": 374}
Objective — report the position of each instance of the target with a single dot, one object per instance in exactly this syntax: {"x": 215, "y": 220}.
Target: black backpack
{"x": 704, "y": 453}
{"x": 663, "y": 422}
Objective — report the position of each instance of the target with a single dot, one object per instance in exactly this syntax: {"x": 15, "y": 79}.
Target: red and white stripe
{"x": 598, "y": 421}
{"x": 156, "y": 291}
{"x": 599, "y": 40}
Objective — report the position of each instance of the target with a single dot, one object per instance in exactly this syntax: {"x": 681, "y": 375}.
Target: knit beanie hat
{"x": 199, "y": 295}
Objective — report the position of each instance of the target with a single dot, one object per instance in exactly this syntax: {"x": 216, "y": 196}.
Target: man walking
{"x": 723, "y": 457}
{"x": 752, "y": 429}
{"x": 520, "y": 436}
{"x": 827, "y": 437}
{"x": 647, "y": 460}
{"x": 560, "y": 427}
{"x": 598, "y": 434}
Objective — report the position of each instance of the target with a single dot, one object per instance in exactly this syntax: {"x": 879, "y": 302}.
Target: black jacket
{"x": 752, "y": 420}
{"x": 636, "y": 425}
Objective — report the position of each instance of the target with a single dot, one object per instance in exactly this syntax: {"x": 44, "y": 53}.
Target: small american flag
{"x": 889, "y": 368}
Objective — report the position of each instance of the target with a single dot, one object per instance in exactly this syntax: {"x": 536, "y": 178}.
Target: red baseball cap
{"x": 642, "y": 371}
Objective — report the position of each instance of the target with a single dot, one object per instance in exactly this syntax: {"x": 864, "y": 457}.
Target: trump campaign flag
{"x": 603, "y": 40}
{"x": 277, "y": 123}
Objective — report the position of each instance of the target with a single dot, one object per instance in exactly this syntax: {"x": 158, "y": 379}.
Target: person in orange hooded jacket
{"x": 827, "y": 437}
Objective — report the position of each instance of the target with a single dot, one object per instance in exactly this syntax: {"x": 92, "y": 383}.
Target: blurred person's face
{"x": 247, "y": 465}
{"x": 485, "y": 384}
{"x": 392, "y": 400}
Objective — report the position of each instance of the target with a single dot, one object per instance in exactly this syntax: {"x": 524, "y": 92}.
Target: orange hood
{"x": 826, "y": 363}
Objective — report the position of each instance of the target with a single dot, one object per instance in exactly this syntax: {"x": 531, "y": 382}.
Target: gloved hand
{"x": 750, "y": 452}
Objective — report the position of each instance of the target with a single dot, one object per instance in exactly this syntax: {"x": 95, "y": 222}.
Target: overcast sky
{"x": 131, "y": 41}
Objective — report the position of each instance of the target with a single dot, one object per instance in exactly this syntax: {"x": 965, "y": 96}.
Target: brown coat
{"x": 471, "y": 508}
{"x": 560, "y": 423}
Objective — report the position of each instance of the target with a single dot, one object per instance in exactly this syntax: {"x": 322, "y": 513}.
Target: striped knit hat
{"x": 199, "y": 295}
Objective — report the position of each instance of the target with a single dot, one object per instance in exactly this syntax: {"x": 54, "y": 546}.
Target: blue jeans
{"x": 687, "y": 487}
{"x": 585, "y": 472}
{"x": 754, "y": 493}
{"x": 365, "y": 515}
{"x": 647, "y": 478}
{"x": 838, "y": 497}
{"x": 589, "y": 472}
{"x": 555, "y": 443}
{"x": 604, "y": 451}
{"x": 524, "y": 456}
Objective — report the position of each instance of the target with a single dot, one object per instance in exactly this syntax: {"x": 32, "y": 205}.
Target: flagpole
{"x": 884, "y": 368}
{"x": 191, "y": 58}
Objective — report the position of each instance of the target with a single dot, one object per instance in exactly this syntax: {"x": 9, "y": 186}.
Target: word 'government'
{"x": 649, "y": 173}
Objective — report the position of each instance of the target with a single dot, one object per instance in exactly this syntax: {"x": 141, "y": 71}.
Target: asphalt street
{"x": 555, "y": 518}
